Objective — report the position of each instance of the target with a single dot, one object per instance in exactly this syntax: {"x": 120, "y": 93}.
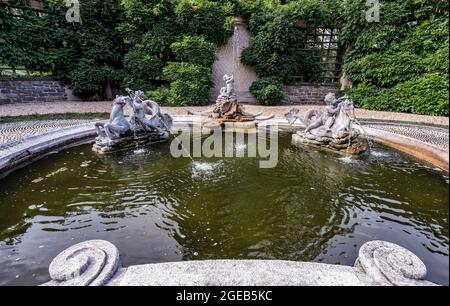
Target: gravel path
{"x": 23, "y": 109}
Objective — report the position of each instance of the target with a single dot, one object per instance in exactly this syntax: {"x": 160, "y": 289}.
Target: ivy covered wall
{"x": 167, "y": 47}
{"x": 400, "y": 63}
{"x": 171, "y": 47}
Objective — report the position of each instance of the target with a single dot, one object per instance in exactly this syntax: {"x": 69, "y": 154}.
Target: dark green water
{"x": 314, "y": 206}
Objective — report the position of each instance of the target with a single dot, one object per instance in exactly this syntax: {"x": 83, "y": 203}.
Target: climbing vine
{"x": 172, "y": 46}
{"x": 277, "y": 47}
{"x": 167, "y": 47}
{"x": 400, "y": 63}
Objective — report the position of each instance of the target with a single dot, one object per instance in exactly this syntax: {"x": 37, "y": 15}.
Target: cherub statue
{"x": 228, "y": 91}
{"x": 118, "y": 126}
{"x": 315, "y": 119}
{"x": 328, "y": 116}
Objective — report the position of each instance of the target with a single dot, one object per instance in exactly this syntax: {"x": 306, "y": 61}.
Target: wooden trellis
{"x": 326, "y": 48}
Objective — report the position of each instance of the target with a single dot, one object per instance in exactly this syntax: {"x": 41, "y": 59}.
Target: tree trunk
{"x": 108, "y": 90}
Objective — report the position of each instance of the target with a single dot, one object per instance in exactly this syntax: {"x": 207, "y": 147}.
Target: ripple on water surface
{"x": 314, "y": 206}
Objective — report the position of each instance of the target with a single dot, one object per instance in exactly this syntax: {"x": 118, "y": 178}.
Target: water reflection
{"x": 314, "y": 206}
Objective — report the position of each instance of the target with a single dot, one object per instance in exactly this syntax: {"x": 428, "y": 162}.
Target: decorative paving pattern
{"x": 12, "y": 132}
{"x": 434, "y": 136}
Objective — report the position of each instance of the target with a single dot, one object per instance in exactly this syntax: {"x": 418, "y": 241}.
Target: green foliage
{"x": 173, "y": 46}
{"x": 276, "y": 47}
{"x": 427, "y": 95}
{"x": 87, "y": 56}
{"x": 140, "y": 67}
{"x": 160, "y": 95}
{"x": 89, "y": 77}
{"x": 27, "y": 39}
{"x": 402, "y": 62}
{"x": 194, "y": 50}
{"x": 189, "y": 85}
{"x": 268, "y": 91}
{"x": 203, "y": 17}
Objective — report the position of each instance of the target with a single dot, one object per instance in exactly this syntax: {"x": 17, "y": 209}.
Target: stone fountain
{"x": 228, "y": 109}
{"x": 146, "y": 125}
{"x": 331, "y": 128}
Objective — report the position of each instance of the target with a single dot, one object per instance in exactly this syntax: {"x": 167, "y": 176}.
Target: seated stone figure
{"x": 228, "y": 108}
{"x": 228, "y": 91}
{"x": 117, "y": 126}
{"x": 332, "y": 128}
{"x": 158, "y": 124}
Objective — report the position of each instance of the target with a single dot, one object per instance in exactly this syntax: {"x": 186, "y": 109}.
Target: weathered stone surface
{"x": 229, "y": 62}
{"x": 389, "y": 264}
{"x": 125, "y": 143}
{"x": 17, "y": 90}
{"x": 20, "y": 153}
{"x": 306, "y": 93}
{"x": 351, "y": 148}
{"x": 96, "y": 263}
{"x": 241, "y": 273}
{"x": 90, "y": 263}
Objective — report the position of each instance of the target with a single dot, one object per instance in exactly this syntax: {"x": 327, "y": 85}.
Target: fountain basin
{"x": 313, "y": 207}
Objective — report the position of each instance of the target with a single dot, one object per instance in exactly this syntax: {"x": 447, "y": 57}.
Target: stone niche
{"x": 228, "y": 61}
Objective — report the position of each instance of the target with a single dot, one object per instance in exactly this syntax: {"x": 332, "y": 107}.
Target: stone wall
{"x": 228, "y": 61}
{"x": 23, "y": 90}
{"x": 305, "y": 93}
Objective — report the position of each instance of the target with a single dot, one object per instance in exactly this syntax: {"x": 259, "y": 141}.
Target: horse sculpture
{"x": 120, "y": 133}
{"x": 117, "y": 126}
{"x": 343, "y": 122}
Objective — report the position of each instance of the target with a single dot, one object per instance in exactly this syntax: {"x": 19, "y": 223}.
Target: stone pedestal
{"x": 346, "y": 144}
{"x": 107, "y": 146}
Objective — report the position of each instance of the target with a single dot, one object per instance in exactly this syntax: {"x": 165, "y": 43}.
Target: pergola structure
{"x": 325, "y": 44}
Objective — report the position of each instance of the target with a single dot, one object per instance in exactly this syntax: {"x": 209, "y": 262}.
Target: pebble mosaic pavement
{"x": 12, "y": 134}
{"x": 434, "y": 136}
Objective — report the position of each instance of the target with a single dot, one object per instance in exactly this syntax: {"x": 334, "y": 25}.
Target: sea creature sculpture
{"x": 331, "y": 128}
{"x": 117, "y": 126}
{"x": 228, "y": 108}
{"x": 147, "y": 124}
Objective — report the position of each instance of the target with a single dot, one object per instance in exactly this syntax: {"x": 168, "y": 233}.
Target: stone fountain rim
{"x": 24, "y": 152}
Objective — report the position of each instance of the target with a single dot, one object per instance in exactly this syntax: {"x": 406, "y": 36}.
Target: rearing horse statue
{"x": 343, "y": 122}
{"x": 117, "y": 126}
